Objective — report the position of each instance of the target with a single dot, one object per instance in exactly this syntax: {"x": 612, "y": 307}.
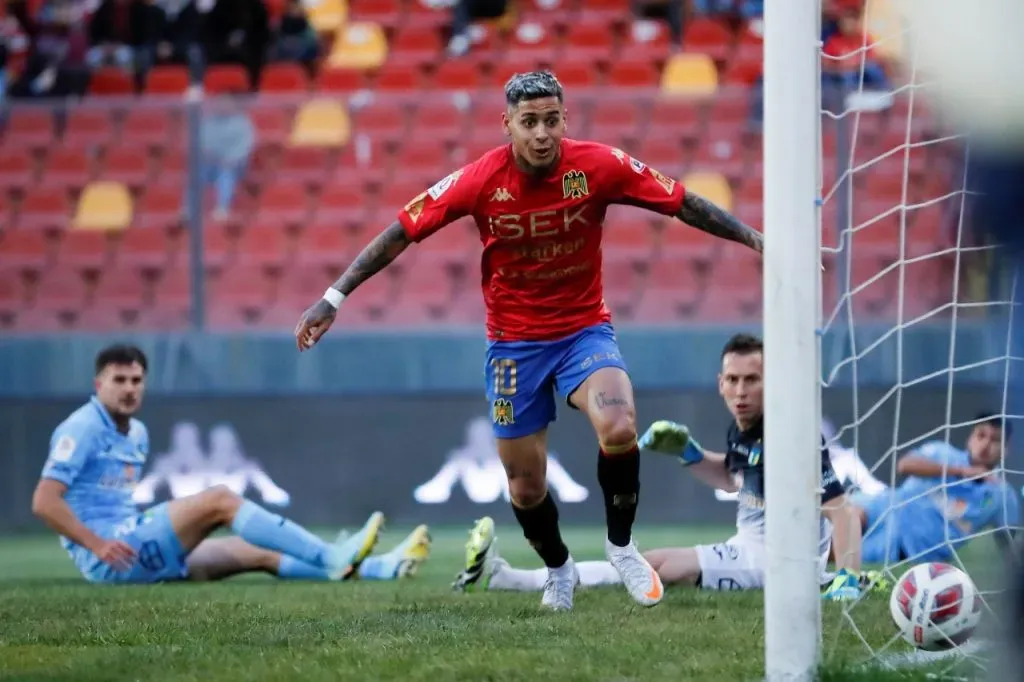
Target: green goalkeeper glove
{"x": 670, "y": 438}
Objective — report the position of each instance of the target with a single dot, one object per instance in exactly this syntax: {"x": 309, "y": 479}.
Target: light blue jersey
{"x": 928, "y": 518}
{"x": 100, "y": 467}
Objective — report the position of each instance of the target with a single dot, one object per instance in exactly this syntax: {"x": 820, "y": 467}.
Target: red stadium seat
{"x": 380, "y": 120}
{"x": 284, "y": 78}
{"x": 421, "y": 14}
{"x": 24, "y": 250}
{"x": 28, "y": 128}
{"x": 286, "y": 202}
{"x": 325, "y": 243}
{"x": 577, "y": 74}
{"x": 61, "y": 291}
{"x": 273, "y": 124}
{"x": 160, "y": 208}
{"x": 88, "y": 129}
{"x": 422, "y": 159}
{"x": 16, "y": 170}
{"x": 416, "y": 44}
{"x": 682, "y": 242}
{"x": 167, "y": 80}
{"x": 224, "y": 78}
{"x": 442, "y": 119}
{"x": 610, "y": 12}
{"x": 384, "y": 12}
{"x": 453, "y": 245}
{"x": 398, "y": 77}
{"x": 144, "y": 249}
{"x": 672, "y": 292}
{"x": 66, "y": 169}
{"x": 720, "y": 150}
{"x": 531, "y": 43}
{"x": 710, "y": 36}
{"x": 392, "y": 200}
{"x": 621, "y": 288}
{"x": 84, "y": 249}
{"x": 118, "y": 293}
{"x": 647, "y": 40}
{"x": 675, "y": 119}
{"x": 614, "y": 119}
{"x": 457, "y": 75}
{"x": 628, "y": 236}
{"x": 12, "y": 291}
{"x": 341, "y": 203}
{"x": 126, "y": 165}
{"x": 240, "y": 286}
{"x": 110, "y": 81}
{"x": 589, "y": 42}
{"x": 423, "y": 295}
{"x": 340, "y": 80}
{"x": 310, "y": 166}
{"x": 150, "y": 127}
{"x": 172, "y": 166}
{"x": 376, "y": 297}
{"x": 44, "y": 208}
{"x": 629, "y": 74}
{"x": 218, "y": 244}
{"x": 264, "y": 243}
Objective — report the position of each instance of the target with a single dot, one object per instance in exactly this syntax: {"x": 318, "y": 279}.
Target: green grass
{"x": 55, "y": 627}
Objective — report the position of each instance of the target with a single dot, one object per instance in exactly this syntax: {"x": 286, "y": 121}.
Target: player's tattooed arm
{"x": 384, "y": 248}
{"x": 704, "y": 215}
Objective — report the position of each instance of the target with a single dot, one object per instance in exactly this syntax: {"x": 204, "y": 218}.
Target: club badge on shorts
{"x": 501, "y": 412}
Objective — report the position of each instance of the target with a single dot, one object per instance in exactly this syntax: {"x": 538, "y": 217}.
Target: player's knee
{"x": 223, "y": 503}
{"x": 618, "y": 435}
{"x": 527, "y": 491}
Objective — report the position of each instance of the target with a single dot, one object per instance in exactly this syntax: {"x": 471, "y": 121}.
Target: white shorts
{"x": 739, "y": 564}
{"x": 736, "y": 564}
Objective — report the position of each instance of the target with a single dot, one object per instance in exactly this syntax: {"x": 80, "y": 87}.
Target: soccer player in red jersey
{"x": 539, "y": 204}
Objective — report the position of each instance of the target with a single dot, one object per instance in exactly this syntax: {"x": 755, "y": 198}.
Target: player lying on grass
{"x": 737, "y": 563}
{"x": 948, "y": 496}
{"x": 85, "y": 494}
{"x": 539, "y": 204}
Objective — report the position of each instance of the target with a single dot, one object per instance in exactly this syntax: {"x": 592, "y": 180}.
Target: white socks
{"x": 592, "y": 574}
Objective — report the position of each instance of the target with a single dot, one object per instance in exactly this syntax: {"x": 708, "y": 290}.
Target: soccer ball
{"x": 936, "y": 606}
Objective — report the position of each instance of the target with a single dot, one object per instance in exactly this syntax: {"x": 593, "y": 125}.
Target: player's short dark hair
{"x": 743, "y": 344}
{"x": 522, "y": 87}
{"x": 995, "y": 420}
{"x": 121, "y": 354}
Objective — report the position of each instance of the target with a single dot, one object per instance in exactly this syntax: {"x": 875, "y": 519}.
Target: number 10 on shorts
{"x": 504, "y": 376}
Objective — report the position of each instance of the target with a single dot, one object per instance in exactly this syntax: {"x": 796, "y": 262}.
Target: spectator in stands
{"x": 671, "y": 11}
{"x": 844, "y": 52}
{"x": 238, "y": 32}
{"x": 464, "y": 13}
{"x": 747, "y": 9}
{"x": 226, "y": 138}
{"x": 56, "y": 65}
{"x": 115, "y": 33}
{"x": 173, "y": 35}
{"x": 294, "y": 39}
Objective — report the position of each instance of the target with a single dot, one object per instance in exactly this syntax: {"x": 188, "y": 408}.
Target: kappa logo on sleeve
{"x": 63, "y": 449}
{"x": 444, "y": 185}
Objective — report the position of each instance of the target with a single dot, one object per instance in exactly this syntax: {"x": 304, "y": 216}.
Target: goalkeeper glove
{"x": 670, "y": 438}
{"x": 845, "y": 587}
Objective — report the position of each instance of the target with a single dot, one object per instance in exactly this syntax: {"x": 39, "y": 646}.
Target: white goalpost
{"x": 792, "y": 295}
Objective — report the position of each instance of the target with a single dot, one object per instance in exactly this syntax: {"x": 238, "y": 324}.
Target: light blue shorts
{"x": 160, "y": 557}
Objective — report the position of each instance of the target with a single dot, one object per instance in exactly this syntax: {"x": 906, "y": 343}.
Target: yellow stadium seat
{"x": 321, "y": 123}
{"x": 104, "y": 205}
{"x": 326, "y": 16}
{"x": 712, "y": 186}
{"x": 359, "y": 45}
{"x": 689, "y": 75}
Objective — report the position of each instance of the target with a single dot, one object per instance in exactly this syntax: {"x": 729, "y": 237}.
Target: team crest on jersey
{"x": 63, "y": 449}
{"x": 668, "y": 183}
{"x": 754, "y": 457}
{"x": 444, "y": 185}
{"x": 501, "y": 412}
{"x": 414, "y": 208}
{"x": 574, "y": 185}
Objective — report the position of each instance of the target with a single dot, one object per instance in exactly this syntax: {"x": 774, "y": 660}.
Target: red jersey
{"x": 541, "y": 264}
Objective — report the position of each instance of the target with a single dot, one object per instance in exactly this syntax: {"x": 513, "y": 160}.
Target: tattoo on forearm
{"x": 707, "y": 217}
{"x": 384, "y": 248}
{"x": 603, "y": 400}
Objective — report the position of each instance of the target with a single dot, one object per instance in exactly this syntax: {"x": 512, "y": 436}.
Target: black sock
{"x": 619, "y": 476}
{"x": 540, "y": 527}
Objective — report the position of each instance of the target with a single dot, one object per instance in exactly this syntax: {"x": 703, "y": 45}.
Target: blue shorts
{"x": 523, "y": 376}
{"x": 881, "y": 543}
{"x": 160, "y": 557}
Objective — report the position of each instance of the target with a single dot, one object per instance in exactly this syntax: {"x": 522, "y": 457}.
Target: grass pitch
{"x": 53, "y": 626}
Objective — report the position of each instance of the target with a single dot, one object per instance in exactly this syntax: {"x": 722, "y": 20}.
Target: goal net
{"x": 910, "y": 302}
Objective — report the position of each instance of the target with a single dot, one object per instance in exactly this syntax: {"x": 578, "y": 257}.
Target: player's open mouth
{"x": 543, "y": 153}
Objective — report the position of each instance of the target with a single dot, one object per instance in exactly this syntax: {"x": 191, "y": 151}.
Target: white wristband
{"x": 334, "y": 297}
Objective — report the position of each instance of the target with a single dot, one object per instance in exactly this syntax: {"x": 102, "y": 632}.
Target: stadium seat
{"x": 387, "y": 13}
{"x": 161, "y": 207}
{"x": 385, "y": 207}
{"x": 264, "y": 243}
{"x": 621, "y": 288}
{"x": 242, "y": 287}
{"x": 442, "y": 118}
{"x": 629, "y": 73}
{"x": 24, "y": 250}
{"x": 745, "y": 68}
{"x": 43, "y": 208}
{"x": 530, "y": 42}
{"x": 588, "y": 42}
{"x": 672, "y": 292}
{"x": 664, "y": 155}
{"x": 218, "y": 244}
{"x": 720, "y": 150}
{"x": 126, "y": 165}
{"x": 326, "y": 16}
{"x": 647, "y": 40}
{"x": 143, "y": 249}
{"x": 84, "y": 249}
{"x": 457, "y": 75}
{"x": 609, "y": 12}
{"x": 310, "y": 166}
{"x": 423, "y": 296}
{"x": 627, "y": 236}
{"x": 28, "y": 128}
{"x": 577, "y": 74}
{"x": 17, "y": 170}
{"x": 359, "y": 45}
{"x": 88, "y": 129}
{"x": 341, "y": 203}
{"x": 167, "y": 80}
{"x": 381, "y": 120}
{"x": 60, "y": 291}
{"x": 689, "y": 75}
{"x": 674, "y": 119}
{"x": 66, "y": 169}
{"x": 320, "y": 122}
{"x": 421, "y": 159}
{"x": 110, "y": 81}
{"x": 708, "y": 36}
{"x": 431, "y": 14}
{"x": 398, "y": 77}
{"x": 710, "y": 185}
{"x": 12, "y": 292}
{"x": 614, "y": 119}
{"x": 104, "y": 205}
{"x": 680, "y": 242}
{"x": 325, "y": 244}
{"x": 284, "y": 78}
{"x": 285, "y": 201}
{"x": 150, "y": 128}
{"x": 376, "y": 297}
{"x": 453, "y": 245}
{"x": 416, "y": 44}
{"x": 226, "y": 78}
{"x": 120, "y": 290}
{"x": 339, "y": 80}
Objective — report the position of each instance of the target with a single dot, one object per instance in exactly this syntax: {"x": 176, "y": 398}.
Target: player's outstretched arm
{"x": 669, "y": 438}
{"x": 49, "y": 505}
{"x": 377, "y": 255}
{"x": 704, "y": 215}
